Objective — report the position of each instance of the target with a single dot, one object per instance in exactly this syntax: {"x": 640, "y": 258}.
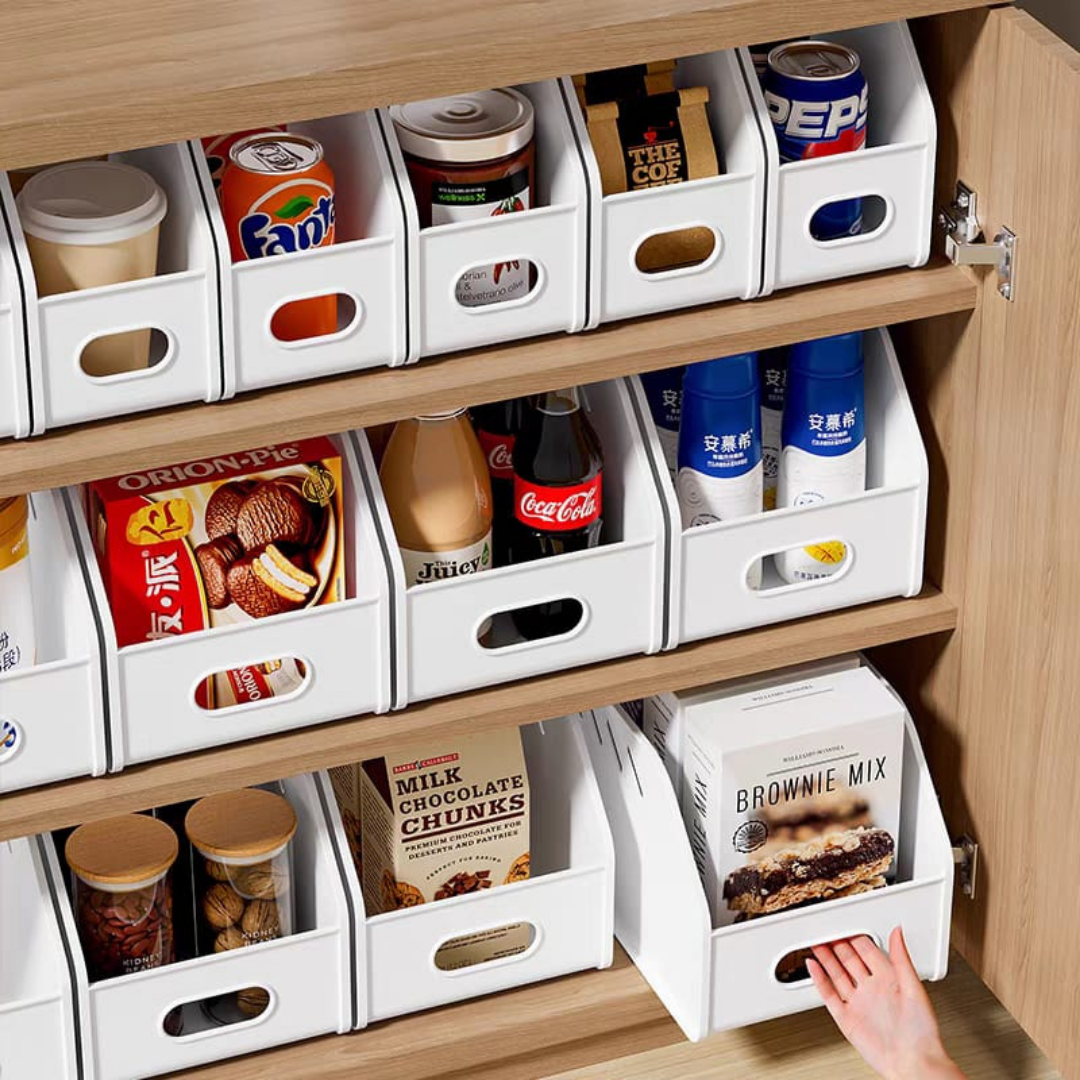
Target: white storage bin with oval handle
{"x": 884, "y": 528}
{"x": 712, "y": 980}
{"x": 619, "y": 585}
{"x": 180, "y": 303}
{"x": 365, "y": 268}
{"x": 730, "y": 206}
{"x": 14, "y": 377}
{"x": 52, "y": 714}
{"x": 568, "y": 900}
{"x": 307, "y": 975}
{"x": 894, "y": 175}
{"x": 37, "y": 998}
{"x": 344, "y": 647}
{"x": 551, "y": 236}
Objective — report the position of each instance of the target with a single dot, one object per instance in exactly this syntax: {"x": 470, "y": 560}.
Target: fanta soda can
{"x": 217, "y": 147}
{"x": 277, "y": 197}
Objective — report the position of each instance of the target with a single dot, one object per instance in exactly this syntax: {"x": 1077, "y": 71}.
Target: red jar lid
{"x": 482, "y": 126}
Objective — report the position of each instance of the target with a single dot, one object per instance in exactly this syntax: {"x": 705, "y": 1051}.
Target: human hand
{"x": 881, "y": 1007}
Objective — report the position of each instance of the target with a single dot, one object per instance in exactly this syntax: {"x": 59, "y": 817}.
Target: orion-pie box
{"x": 450, "y": 822}
{"x": 220, "y": 541}
{"x": 794, "y": 793}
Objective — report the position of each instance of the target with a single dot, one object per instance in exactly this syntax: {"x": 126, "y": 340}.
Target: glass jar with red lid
{"x": 469, "y": 157}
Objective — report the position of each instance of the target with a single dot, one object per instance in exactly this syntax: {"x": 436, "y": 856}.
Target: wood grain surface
{"x": 125, "y": 73}
{"x": 166, "y": 437}
{"x": 276, "y": 756}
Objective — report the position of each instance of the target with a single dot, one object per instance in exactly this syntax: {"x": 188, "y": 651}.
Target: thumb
{"x": 906, "y": 975}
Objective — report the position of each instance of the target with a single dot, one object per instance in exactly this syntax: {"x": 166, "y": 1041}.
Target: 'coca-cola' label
{"x": 498, "y": 452}
{"x": 558, "y": 509}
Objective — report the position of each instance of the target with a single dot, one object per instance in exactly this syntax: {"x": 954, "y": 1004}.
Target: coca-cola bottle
{"x": 497, "y": 426}
{"x": 558, "y": 497}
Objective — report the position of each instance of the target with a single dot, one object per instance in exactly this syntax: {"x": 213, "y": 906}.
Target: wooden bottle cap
{"x": 122, "y": 850}
{"x": 240, "y": 824}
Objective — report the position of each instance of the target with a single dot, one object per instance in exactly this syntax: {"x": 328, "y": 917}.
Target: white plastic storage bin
{"x": 894, "y": 174}
{"x": 568, "y": 900}
{"x": 344, "y": 647}
{"x": 730, "y": 205}
{"x": 712, "y": 980}
{"x": 620, "y": 584}
{"x": 307, "y": 975}
{"x": 52, "y": 715}
{"x": 14, "y": 384}
{"x": 37, "y": 1002}
{"x": 366, "y": 265}
{"x": 180, "y": 303}
{"x": 551, "y": 236}
{"x": 884, "y": 528}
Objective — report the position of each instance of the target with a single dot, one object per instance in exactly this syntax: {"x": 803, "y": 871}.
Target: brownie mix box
{"x": 450, "y": 822}
{"x": 664, "y": 716}
{"x": 220, "y": 541}
{"x": 795, "y": 793}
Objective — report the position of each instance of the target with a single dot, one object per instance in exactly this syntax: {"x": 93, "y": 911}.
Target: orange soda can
{"x": 217, "y": 147}
{"x": 277, "y": 197}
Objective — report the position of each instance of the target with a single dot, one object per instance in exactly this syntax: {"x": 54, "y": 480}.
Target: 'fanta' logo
{"x": 284, "y": 220}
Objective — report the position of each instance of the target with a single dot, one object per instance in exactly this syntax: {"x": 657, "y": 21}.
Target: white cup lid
{"x": 90, "y": 202}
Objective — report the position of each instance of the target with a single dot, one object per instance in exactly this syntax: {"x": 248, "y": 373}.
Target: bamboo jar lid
{"x": 246, "y": 824}
{"x": 130, "y": 850}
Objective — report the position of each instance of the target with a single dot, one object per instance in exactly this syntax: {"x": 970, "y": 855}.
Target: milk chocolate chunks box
{"x": 219, "y": 541}
{"x": 794, "y": 793}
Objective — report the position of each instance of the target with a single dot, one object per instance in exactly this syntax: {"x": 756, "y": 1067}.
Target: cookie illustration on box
{"x": 223, "y": 541}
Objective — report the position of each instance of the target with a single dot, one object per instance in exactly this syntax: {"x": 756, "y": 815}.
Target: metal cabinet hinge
{"x": 965, "y": 244}
{"x": 966, "y": 858}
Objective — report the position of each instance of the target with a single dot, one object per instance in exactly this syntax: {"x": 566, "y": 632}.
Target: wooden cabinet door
{"x": 1000, "y": 394}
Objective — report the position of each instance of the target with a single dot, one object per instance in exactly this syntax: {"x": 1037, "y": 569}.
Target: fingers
{"x": 875, "y": 960}
{"x": 830, "y": 998}
{"x": 852, "y": 961}
{"x": 836, "y": 972}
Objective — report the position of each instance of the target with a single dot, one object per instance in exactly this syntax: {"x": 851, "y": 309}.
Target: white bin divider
{"x": 731, "y": 205}
{"x": 37, "y": 999}
{"x": 14, "y": 375}
{"x": 885, "y": 527}
{"x": 366, "y": 264}
{"x": 897, "y": 167}
{"x": 344, "y": 646}
{"x": 52, "y": 714}
{"x": 181, "y": 302}
{"x": 552, "y": 236}
{"x": 620, "y": 584}
{"x": 712, "y": 980}
{"x": 307, "y": 975}
{"x": 568, "y": 900}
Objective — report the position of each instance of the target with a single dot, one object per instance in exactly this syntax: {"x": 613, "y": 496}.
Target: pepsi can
{"x": 818, "y": 98}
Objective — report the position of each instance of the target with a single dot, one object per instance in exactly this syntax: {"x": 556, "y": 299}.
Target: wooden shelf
{"x": 89, "y": 451}
{"x": 540, "y": 698}
{"x": 126, "y": 74}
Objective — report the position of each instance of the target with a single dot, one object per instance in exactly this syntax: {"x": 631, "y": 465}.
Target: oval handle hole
{"x": 791, "y": 969}
{"x": 845, "y": 218}
{"x": 216, "y": 1011}
{"x": 484, "y": 946}
{"x": 252, "y": 684}
{"x": 808, "y": 563}
{"x": 496, "y": 283}
{"x": 535, "y": 622}
{"x": 314, "y": 317}
{"x": 675, "y": 250}
{"x": 124, "y": 353}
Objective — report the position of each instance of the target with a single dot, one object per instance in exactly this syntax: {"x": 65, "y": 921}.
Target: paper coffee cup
{"x": 93, "y": 223}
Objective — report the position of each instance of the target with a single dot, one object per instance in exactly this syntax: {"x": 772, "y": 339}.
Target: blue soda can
{"x": 818, "y": 100}
{"x": 720, "y": 470}
{"x": 824, "y": 443}
{"x": 663, "y": 390}
{"x": 772, "y": 373}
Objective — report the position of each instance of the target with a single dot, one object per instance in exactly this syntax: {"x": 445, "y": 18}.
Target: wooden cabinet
{"x": 986, "y": 655}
